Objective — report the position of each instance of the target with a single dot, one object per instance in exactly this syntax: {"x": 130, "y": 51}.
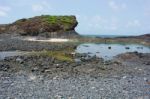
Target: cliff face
{"x": 41, "y": 25}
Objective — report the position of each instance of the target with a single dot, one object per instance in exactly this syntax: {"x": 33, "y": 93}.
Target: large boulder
{"x": 42, "y": 25}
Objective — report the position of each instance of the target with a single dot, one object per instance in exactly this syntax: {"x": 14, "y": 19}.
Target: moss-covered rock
{"x": 42, "y": 24}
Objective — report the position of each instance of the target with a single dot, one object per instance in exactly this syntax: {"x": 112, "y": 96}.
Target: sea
{"x": 106, "y": 36}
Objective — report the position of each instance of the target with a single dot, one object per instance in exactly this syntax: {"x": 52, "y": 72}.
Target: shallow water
{"x": 5, "y": 54}
{"x": 105, "y": 51}
{"x": 108, "y": 51}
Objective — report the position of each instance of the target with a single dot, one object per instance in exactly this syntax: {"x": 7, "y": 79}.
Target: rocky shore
{"x": 55, "y": 71}
{"x": 36, "y": 76}
{"x": 62, "y": 74}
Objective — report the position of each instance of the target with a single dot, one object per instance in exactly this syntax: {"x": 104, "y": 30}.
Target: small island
{"x": 45, "y": 25}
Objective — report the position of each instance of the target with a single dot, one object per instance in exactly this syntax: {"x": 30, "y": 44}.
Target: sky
{"x": 95, "y": 17}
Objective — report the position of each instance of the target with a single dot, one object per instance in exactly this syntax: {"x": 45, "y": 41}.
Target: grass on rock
{"x": 59, "y": 55}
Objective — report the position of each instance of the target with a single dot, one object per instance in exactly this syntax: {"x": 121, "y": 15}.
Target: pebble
{"x": 124, "y": 77}
{"x": 145, "y": 79}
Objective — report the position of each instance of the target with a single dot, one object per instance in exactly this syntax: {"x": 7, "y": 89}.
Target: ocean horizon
{"x": 107, "y": 36}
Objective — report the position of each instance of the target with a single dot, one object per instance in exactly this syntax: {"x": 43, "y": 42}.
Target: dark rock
{"x": 35, "y": 69}
{"x": 109, "y": 47}
{"x": 107, "y": 62}
{"x": 139, "y": 47}
{"x": 79, "y": 55}
{"x": 4, "y": 67}
{"x": 147, "y": 63}
{"x": 127, "y": 47}
{"x": 132, "y": 55}
{"x": 85, "y": 45}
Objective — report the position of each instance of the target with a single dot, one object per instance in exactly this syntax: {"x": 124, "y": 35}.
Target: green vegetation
{"x": 65, "y": 21}
{"x": 58, "y": 19}
{"x": 59, "y": 55}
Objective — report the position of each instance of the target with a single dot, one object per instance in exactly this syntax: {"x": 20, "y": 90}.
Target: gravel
{"x": 36, "y": 78}
{"x": 30, "y": 86}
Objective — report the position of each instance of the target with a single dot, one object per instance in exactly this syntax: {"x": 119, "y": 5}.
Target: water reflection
{"x": 4, "y": 54}
{"x": 108, "y": 51}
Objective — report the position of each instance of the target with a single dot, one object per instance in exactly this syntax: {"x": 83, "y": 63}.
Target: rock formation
{"x": 45, "y": 25}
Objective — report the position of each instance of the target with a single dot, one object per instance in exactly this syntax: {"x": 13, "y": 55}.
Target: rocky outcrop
{"x": 145, "y": 36}
{"x": 44, "y": 25}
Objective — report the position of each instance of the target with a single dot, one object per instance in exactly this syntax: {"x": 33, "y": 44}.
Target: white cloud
{"x": 95, "y": 22}
{"x": 41, "y": 7}
{"x": 37, "y": 8}
{"x": 100, "y": 23}
{"x": 116, "y": 6}
{"x": 134, "y": 23}
{"x": 113, "y": 5}
{"x": 4, "y": 11}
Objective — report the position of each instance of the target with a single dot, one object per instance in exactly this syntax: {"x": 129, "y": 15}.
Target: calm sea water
{"x": 108, "y": 51}
{"x": 107, "y": 36}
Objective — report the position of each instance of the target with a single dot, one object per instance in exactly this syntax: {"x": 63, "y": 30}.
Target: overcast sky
{"x": 101, "y": 17}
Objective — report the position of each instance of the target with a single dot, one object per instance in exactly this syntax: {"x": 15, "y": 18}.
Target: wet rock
{"x": 139, "y": 47}
{"x": 89, "y": 53}
{"x": 127, "y": 48}
{"x": 35, "y": 69}
{"x": 83, "y": 55}
{"x": 147, "y": 63}
{"x": 107, "y": 62}
{"x": 109, "y": 47}
{"x": 85, "y": 45}
{"x": 4, "y": 67}
{"x": 130, "y": 55}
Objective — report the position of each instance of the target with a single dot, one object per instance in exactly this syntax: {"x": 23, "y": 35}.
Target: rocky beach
{"x": 42, "y": 68}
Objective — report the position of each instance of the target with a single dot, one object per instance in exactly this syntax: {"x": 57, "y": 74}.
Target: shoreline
{"x": 52, "y": 73}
